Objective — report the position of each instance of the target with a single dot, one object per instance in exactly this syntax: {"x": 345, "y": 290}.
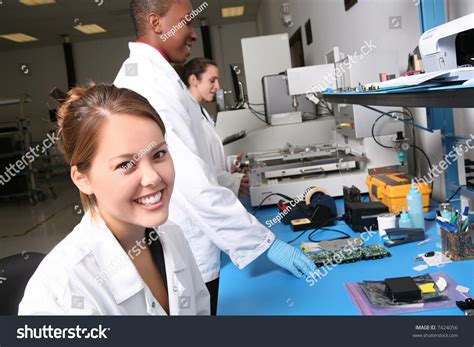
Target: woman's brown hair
{"x": 81, "y": 115}
{"x": 196, "y": 66}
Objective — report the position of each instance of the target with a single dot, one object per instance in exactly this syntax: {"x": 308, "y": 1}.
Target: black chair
{"x": 15, "y": 272}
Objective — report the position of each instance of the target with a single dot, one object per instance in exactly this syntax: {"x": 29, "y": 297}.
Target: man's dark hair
{"x": 140, "y": 9}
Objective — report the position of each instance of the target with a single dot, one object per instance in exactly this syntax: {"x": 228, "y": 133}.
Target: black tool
{"x": 402, "y": 289}
{"x": 400, "y": 236}
{"x": 235, "y": 137}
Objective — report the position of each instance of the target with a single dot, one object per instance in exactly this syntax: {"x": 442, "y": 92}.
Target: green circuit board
{"x": 350, "y": 255}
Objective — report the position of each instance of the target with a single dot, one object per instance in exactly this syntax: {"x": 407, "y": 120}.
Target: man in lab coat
{"x": 211, "y": 216}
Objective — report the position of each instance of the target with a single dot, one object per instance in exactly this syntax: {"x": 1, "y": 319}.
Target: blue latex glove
{"x": 291, "y": 258}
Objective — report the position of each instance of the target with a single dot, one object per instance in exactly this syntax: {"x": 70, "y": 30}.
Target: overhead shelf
{"x": 438, "y": 98}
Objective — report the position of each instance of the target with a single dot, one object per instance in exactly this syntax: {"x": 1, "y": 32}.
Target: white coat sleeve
{"x": 39, "y": 300}
{"x": 230, "y": 181}
{"x": 216, "y": 209}
{"x": 45, "y": 296}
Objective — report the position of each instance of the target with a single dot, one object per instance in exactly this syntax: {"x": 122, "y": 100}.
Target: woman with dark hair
{"x": 201, "y": 76}
{"x": 123, "y": 258}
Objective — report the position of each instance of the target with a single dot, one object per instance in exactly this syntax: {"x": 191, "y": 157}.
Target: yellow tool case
{"x": 392, "y": 190}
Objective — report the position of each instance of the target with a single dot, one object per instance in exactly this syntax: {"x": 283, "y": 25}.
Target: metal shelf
{"x": 450, "y": 98}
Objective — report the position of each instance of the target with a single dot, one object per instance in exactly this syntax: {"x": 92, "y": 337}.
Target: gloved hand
{"x": 291, "y": 258}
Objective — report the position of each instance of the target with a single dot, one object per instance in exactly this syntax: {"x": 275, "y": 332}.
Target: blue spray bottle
{"x": 415, "y": 207}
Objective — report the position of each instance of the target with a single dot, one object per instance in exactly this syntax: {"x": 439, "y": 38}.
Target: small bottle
{"x": 446, "y": 211}
{"x": 405, "y": 221}
{"x": 415, "y": 207}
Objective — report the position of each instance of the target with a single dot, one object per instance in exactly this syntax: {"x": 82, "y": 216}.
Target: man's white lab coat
{"x": 89, "y": 273}
{"x": 210, "y": 215}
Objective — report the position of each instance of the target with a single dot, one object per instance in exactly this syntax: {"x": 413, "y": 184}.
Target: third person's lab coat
{"x": 224, "y": 177}
{"x": 211, "y": 216}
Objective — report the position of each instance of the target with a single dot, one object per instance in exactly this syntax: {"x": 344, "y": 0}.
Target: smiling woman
{"x": 101, "y": 130}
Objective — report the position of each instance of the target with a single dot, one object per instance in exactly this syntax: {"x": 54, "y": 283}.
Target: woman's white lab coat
{"x": 224, "y": 177}
{"x": 211, "y": 216}
{"x": 89, "y": 273}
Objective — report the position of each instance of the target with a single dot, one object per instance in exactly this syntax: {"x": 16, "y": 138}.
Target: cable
{"x": 314, "y": 230}
{"x": 373, "y": 134}
{"x": 427, "y": 159}
{"x": 267, "y": 197}
{"x": 414, "y": 146}
{"x": 256, "y": 113}
{"x": 296, "y": 238}
{"x": 310, "y": 237}
{"x": 456, "y": 193}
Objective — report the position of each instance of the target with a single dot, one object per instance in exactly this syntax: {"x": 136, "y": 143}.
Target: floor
{"x": 27, "y": 228}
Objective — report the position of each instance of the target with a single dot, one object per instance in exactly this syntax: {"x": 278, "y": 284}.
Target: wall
{"x": 332, "y": 25}
{"x": 268, "y": 18}
{"x": 227, "y": 48}
{"x": 96, "y": 60}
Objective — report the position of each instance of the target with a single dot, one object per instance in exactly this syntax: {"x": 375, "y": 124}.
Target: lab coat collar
{"x": 149, "y": 52}
{"x": 170, "y": 252}
{"x": 116, "y": 267}
{"x": 156, "y": 48}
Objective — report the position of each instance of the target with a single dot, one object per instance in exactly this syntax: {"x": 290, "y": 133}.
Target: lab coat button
{"x": 153, "y": 304}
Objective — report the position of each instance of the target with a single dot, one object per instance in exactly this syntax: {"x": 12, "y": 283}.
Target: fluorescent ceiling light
{"x": 90, "y": 29}
{"x": 237, "y": 11}
{"x": 19, "y": 37}
{"x": 37, "y": 2}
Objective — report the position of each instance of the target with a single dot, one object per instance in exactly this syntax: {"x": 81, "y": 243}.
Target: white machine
{"x": 328, "y": 152}
{"x": 447, "y": 52}
{"x": 449, "y": 46}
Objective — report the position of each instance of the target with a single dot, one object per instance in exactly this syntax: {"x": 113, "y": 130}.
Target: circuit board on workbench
{"x": 348, "y": 255}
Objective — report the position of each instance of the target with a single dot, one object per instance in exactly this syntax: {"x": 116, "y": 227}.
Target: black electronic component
{"x": 361, "y": 216}
{"x": 402, "y": 289}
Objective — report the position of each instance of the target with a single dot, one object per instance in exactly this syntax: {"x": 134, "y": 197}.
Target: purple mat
{"x": 360, "y": 299}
